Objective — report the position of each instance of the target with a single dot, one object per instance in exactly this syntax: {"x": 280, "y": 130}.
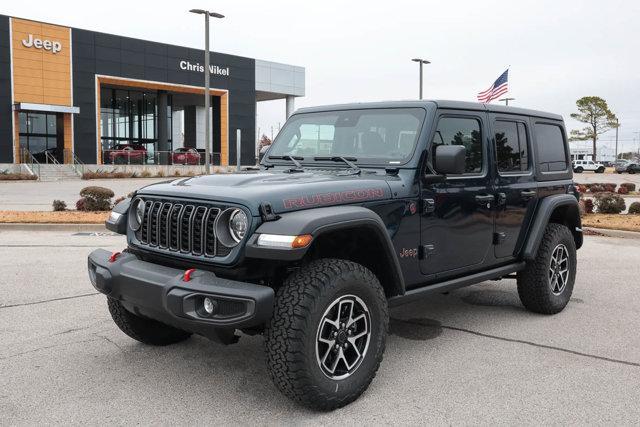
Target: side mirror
{"x": 450, "y": 159}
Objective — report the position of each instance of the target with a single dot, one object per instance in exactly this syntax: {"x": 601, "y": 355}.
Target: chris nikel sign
{"x": 197, "y": 67}
{"x": 52, "y": 46}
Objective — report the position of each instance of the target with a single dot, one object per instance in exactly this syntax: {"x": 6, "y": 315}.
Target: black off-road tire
{"x": 290, "y": 338}
{"x": 600, "y": 170}
{"x": 579, "y": 170}
{"x": 145, "y": 330}
{"x": 534, "y": 287}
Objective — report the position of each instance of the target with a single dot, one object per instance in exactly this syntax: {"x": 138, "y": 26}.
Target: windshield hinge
{"x": 266, "y": 212}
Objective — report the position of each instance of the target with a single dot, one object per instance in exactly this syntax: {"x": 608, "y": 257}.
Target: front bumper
{"x": 160, "y": 293}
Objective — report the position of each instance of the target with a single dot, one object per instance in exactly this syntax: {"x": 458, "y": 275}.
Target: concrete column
{"x": 163, "y": 128}
{"x": 190, "y": 123}
{"x": 290, "y": 105}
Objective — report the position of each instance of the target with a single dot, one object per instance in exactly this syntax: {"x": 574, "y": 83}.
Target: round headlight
{"x": 138, "y": 215}
{"x": 238, "y": 224}
{"x": 231, "y": 226}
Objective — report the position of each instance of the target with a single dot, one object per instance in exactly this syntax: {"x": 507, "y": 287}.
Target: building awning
{"x": 25, "y": 106}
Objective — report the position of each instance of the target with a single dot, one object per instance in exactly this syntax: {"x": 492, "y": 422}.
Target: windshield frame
{"x": 361, "y": 162}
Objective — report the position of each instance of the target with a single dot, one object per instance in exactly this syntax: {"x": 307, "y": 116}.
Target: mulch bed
{"x": 65, "y": 217}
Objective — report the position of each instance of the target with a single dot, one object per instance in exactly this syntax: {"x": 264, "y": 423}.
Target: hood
{"x": 283, "y": 190}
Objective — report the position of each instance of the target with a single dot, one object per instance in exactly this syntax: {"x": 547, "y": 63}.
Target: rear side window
{"x": 552, "y": 156}
{"x": 512, "y": 151}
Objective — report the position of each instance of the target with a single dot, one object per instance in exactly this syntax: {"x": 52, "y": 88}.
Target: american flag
{"x": 499, "y": 87}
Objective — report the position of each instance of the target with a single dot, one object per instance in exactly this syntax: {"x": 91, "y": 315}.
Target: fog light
{"x": 209, "y": 306}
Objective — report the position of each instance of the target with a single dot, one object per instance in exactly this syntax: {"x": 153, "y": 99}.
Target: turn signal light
{"x": 301, "y": 241}
{"x": 284, "y": 242}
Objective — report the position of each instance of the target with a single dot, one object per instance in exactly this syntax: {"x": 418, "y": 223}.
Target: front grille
{"x": 181, "y": 227}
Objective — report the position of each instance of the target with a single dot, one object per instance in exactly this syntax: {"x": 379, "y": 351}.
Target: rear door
{"x": 515, "y": 185}
{"x": 457, "y": 215}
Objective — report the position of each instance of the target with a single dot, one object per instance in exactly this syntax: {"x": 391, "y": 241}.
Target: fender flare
{"x": 119, "y": 224}
{"x": 543, "y": 215}
{"x": 319, "y": 221}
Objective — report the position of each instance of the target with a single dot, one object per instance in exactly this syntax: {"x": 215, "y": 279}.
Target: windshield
{"x": 375, "y": 136}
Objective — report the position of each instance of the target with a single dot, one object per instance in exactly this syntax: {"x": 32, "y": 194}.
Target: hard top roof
{"x": 453, "y": 105}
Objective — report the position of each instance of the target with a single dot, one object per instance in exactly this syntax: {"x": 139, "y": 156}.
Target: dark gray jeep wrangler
{"x": 355, "y": 208}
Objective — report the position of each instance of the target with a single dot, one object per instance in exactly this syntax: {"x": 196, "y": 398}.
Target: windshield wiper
{"x": 293, "y": 159}
{"x": 347, "y": 160}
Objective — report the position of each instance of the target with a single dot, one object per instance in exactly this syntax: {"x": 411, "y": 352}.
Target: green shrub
{"x": 596, "y": 188}
{"x": 634, "y": 208}
{"x": 96, "y": 198}
{"x": 610, "y": 203}
{"x": 588, "y": 206}
{"x": 97, "y": 205}
{"x": 80, "y": 204}
{"x": 59, "y": 205}
{"x": 610, "y": 187}
{"x": 623, "y": 190}
{"x": 95, "y": 192}
{"x": 7, "y": 176}
{"x": 630, "y": 186}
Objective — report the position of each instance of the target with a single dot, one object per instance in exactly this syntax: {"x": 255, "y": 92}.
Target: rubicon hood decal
{"x": 284, "y": 191}
{"x": 334, "y": 198}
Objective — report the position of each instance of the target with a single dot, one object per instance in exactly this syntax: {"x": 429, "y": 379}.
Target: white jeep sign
{"x": 53, "y": 46}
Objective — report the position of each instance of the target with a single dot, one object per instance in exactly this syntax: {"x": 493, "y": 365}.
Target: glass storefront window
{"x": 130, "y": 117}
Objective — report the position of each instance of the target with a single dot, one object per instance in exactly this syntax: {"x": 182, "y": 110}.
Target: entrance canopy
{"x": 45, "y": 108}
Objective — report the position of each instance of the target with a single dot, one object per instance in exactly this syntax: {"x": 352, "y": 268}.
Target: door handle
{"x": 528, "y": 194}
{"x": 485, "y": 199}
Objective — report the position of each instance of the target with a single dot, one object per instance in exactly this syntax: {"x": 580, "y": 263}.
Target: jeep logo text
{"x": 52, "y": 46}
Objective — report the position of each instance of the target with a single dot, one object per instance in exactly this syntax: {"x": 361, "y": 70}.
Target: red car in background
{"x": 124, "y": 154}
{"x": 185, "y": 156}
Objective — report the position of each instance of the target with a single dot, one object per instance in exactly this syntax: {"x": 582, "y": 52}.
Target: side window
{"x": 461, "y": 131}
{"x": 512, "y": 151}
{"x": 552, "y": 154}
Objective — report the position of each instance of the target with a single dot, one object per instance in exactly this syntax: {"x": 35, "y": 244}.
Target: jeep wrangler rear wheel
{"x": 546, "y": 283}
{"x": 327, "y": 335}
{"x": 145, "y": 330}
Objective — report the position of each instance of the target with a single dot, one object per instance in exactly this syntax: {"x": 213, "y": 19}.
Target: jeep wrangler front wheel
{"x": 145, "y": 330}
{"x": 546, "y": 283}
{"x": 327, "y": 335}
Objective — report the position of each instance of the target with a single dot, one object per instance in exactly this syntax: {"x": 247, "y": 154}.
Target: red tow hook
{"x": 187, "y": 275}
{"x": 114, "y": 256}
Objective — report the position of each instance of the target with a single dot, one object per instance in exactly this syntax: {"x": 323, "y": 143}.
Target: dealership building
{"x": 76, "y": 95}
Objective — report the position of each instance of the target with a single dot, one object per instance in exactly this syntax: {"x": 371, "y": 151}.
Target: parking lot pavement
{"x": 470, "y": 356}
{"x": 38, "y": 196}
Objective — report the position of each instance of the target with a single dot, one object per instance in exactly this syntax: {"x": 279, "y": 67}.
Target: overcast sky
{"x": 557, "y": 51}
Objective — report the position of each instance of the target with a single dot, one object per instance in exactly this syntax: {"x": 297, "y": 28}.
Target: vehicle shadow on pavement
{"x": 206, "y": 372}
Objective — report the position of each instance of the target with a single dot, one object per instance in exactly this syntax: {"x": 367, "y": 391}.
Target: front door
{"x": 516, "y": 191}
{"x": 457, "y": 215}
{"x": 40, "y": 136}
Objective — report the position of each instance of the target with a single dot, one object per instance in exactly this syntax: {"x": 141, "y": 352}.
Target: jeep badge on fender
{"x": 355, "y": 209}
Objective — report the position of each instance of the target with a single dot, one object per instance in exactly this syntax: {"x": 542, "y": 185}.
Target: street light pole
{"x": 617, "y": 126}
{"x": 207, "y": 89}
{"x": 506, "y": 100}
{"x": 421, "y": 61}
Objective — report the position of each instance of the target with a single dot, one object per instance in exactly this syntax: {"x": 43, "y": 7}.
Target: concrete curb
{"x": 615, "y": 233}
{"x": 52, "y": 227}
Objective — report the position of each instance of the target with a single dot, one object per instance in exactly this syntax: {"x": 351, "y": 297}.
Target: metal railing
{"x": 142, "y": 157}
{"x": 32, "y": 164}
{"x": 71, "y": 159}
{"x": 49, "y": 158}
